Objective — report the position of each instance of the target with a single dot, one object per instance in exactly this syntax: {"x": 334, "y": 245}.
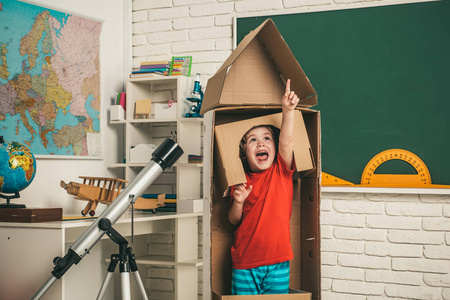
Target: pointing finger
{"x": 288, "y": 86}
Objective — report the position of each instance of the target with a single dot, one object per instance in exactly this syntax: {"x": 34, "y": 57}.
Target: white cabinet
{"x": 28, "y": 250}
{"x": 184, "y": 179}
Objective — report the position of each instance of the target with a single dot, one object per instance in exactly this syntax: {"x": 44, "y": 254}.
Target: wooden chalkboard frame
{"x": 367, "y": 117}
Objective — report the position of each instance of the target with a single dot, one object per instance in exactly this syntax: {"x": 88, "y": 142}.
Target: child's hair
{"x": 243, "y": 144}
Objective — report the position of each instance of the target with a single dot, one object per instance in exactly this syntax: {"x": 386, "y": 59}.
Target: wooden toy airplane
{"x": 104, "y": 190}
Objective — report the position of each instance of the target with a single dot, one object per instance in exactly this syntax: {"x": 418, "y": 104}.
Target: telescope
{"x": 162, "y": 158}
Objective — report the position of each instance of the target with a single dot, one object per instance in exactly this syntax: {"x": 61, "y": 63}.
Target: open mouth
{"x": 262, "y": 156}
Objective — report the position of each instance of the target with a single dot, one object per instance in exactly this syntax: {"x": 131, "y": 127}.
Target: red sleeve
{"x": 284, "y": 168}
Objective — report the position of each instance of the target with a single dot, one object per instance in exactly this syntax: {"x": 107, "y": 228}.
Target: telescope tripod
{"x": 127, "y": 264}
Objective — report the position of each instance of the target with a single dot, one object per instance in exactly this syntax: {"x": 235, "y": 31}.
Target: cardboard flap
{"x": 214, "y": 90}
{"x": 228, "y": 137}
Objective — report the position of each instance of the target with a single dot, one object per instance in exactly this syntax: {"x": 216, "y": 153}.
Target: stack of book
{"x": 150, "y": 68}
{"x": 121, "y": 99}
{"x": 195, "y": 159}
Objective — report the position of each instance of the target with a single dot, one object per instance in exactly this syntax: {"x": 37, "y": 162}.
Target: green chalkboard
{"x": 382, "y": 75}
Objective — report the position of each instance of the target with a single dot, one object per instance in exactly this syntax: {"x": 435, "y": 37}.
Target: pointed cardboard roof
{"x": 256, "y": 71}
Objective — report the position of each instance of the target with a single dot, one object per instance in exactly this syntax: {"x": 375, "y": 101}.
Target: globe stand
{"x": 8, "y": 203}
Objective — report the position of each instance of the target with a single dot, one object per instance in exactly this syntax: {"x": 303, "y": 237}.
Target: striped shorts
{"x": 273, "y": 279}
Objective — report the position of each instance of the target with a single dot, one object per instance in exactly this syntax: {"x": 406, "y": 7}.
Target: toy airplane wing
{"x": 145, "y": 203}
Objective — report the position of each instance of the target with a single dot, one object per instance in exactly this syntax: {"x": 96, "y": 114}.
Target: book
{"x": 166, "y": 209}
{"x": 170, "y": 201}
{"x": 75, "y": 218}
{"x": 148, "y": 70}
{"x": 150, "y": 75}
{"x": 165, "y": 66}
{"x": 123, "y": 100}
{"x": 195, "y": 159}
{"x": 155, "y": 196}
{"x": 156, "y": 62}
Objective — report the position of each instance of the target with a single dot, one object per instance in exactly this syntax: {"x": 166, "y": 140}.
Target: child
{"x": 262, "y": 207}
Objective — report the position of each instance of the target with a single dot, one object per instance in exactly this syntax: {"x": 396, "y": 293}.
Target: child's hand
{"x": 290, "y": 99}
{"x": 241, "y": 192}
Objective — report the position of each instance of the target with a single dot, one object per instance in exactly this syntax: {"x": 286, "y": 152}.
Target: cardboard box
{"x": 305, "y": 230}
{"x": 250, "y": 85}
{"x": 255, "y": 73}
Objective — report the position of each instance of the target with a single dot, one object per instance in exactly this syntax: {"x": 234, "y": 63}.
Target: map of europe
{"x": 49, "y": 80}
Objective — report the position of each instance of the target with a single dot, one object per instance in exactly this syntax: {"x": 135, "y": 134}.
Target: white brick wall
{"x": 400, "y": 252}
{"x": 374, "y": 246}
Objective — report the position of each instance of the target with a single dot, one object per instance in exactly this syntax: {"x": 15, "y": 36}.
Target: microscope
{"x": 197, "y": 99}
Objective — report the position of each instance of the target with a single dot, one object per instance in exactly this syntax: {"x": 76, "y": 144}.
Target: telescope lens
{"x": 167, "y": 154}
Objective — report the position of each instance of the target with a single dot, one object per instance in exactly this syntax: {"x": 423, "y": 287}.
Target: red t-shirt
{"x": 263, "y": 237}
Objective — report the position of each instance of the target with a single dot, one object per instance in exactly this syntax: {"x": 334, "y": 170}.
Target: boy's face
{"x": 260, "y": 149}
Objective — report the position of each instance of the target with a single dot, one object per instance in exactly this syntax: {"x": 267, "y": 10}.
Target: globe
{"x": 17, "y": 168}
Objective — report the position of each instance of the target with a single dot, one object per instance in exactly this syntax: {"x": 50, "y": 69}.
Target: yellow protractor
{"x": 330, "y": 180}
{"x": 421, "y": 179}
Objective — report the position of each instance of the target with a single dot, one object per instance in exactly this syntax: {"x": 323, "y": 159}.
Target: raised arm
{"x": 286, "y": 144}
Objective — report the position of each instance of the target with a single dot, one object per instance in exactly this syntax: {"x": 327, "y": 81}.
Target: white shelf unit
{"x": 183, "y": 179}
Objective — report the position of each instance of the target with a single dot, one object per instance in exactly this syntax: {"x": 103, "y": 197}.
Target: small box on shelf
{"x": 141, "y": 153}
{"x": 117, "y": 113}
{"x": 190, "y": 205}
{"x": 165, "y": 110}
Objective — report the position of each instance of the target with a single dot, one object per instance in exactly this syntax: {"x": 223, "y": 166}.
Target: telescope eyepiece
{"x": 167, "y": 154}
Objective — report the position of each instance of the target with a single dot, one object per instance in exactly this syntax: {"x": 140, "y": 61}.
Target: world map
{"x": 49, "y": 80}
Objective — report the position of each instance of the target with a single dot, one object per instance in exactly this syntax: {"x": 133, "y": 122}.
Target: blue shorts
{"x": 273, "y": 279}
